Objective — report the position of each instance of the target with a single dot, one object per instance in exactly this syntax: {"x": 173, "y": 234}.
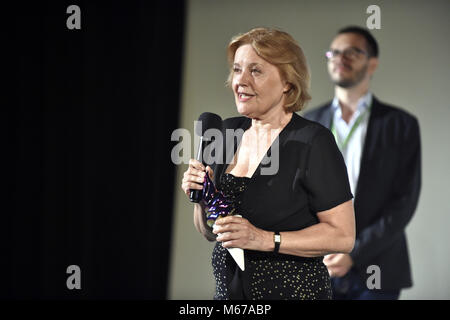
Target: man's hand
{"x": 338, "y": 264}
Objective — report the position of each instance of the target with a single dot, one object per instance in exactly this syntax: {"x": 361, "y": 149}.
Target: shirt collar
{"x": 363, "y": 103}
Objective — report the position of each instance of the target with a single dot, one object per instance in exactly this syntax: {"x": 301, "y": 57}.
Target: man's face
{"x": 349, "y": 63}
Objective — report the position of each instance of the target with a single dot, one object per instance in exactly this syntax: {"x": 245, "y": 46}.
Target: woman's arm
{"x": 334, "y": 233}
{"x": 192, "y": 180}
{"x": 200, "y": 222}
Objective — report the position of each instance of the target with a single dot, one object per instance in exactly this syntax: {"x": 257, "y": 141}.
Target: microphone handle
{"x": 196, "y": 195}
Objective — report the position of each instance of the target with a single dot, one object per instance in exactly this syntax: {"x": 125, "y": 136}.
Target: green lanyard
{"x": 343, "y": 145}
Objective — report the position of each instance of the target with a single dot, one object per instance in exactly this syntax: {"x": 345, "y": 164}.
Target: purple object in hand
{"x": 217, "y": 203}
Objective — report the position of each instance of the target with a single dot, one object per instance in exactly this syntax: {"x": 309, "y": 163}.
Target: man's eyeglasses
{"x": 350, "y": 53}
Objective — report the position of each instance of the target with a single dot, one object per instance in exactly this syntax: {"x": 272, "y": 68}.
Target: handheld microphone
{"x": 206, "y": 121}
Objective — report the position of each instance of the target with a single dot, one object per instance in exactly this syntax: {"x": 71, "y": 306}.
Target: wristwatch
{"x": 277, "y": 241}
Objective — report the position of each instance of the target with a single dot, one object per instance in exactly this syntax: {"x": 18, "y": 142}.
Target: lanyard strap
{"x": 343, "y": 145}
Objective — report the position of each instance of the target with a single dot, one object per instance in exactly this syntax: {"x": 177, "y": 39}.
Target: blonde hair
{"x": 280, "y": 49}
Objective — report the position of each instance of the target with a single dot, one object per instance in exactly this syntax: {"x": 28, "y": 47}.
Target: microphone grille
{"x": 208, "y": 120}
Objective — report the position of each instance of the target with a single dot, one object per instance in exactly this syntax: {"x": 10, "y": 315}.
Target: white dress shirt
{"x": 352, "y": 151}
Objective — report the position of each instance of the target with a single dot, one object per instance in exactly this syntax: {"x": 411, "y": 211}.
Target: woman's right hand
{"x": 193, "y": 177}
{"x": 193, "y": 180}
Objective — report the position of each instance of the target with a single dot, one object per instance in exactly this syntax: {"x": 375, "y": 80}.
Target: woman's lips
{"x": 244, "y": 97}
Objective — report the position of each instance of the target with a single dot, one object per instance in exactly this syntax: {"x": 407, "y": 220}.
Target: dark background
{"x": 88, "y": 175}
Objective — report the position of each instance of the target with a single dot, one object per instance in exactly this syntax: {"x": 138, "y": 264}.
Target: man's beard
{"x": 352, "y": 81}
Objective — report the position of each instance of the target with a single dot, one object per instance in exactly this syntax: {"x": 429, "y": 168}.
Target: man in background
{"x": 381, "y": 147}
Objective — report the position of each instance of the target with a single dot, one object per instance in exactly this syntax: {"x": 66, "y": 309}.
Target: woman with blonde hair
{"x": 288, "y": 219}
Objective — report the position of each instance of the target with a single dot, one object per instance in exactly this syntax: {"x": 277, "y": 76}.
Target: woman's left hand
{"x": 238, "y": 232}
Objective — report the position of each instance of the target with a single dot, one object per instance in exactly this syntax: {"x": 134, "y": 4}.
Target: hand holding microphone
{"x": 198, "y": 184}
{"x": 206, "y": 121}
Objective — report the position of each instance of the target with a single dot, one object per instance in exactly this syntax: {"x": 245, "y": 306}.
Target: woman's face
{"x": 257, "y": 84}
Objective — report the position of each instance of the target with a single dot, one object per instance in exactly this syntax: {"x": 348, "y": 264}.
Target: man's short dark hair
{"x": 372, "y": 45}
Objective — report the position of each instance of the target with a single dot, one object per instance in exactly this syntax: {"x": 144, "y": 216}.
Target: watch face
{"x": 277, "y": 238}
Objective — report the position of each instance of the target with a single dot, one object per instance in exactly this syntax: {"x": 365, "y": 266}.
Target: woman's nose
{"x": 242, "y": 78}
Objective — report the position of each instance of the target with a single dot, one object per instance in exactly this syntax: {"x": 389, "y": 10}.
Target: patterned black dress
{"x": 267, "y": 275}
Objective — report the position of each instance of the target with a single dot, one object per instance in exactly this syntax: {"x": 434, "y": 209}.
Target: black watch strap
{"x": 277, "y": 241}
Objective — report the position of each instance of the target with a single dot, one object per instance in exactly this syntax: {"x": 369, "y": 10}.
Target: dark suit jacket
{"x": 386, "y": 194}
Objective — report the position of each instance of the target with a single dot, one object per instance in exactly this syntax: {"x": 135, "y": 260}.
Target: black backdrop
{"x": 89, "y": 179}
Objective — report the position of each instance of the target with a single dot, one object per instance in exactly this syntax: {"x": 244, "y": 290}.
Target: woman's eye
{"x": 256, "y": 71}
{"x": 236, "y": 69}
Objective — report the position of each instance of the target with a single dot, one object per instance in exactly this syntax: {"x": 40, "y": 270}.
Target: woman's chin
{"x": 243, "y": 110}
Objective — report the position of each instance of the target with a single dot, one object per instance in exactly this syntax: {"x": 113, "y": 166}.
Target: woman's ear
{"x": 287, "y": 87}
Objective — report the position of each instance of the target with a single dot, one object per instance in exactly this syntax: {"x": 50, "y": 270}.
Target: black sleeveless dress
{"x": 267, "y": 275}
